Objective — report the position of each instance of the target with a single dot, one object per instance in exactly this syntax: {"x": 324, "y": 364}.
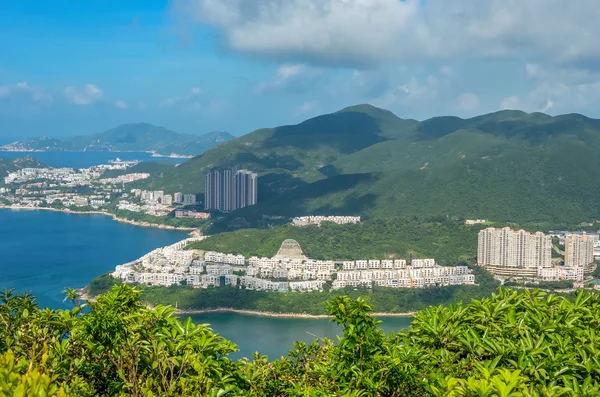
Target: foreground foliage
{"x": 512, "y": 344}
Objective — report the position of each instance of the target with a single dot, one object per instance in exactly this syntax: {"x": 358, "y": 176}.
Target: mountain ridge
{"x": 143, "y": 137}
{"x": 362, "y": 160}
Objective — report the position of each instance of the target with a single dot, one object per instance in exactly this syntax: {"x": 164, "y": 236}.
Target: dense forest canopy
{"x": 511, "y": 344}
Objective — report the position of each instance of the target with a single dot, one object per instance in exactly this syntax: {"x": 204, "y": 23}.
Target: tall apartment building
{"x": 245, "y": 186}
{"x": 228, "y": 189}
{"x": 514, "y": 249}
{"x": 579, "y": 250}
{"x": 178, "y": 197}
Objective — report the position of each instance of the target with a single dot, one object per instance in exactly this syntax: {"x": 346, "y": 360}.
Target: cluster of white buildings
{"x": 317, "y": 220}
{"x": 127, "y": 178}
{"x": 171, "y": 265}
{"x": 38, "y": 187}
{"x": 289, "y": 270}
{"x": 518, "y": 254}
{"x": 157, "y": 203}
{"x": 398, "y": 274}
{"x": 68, "y": 176}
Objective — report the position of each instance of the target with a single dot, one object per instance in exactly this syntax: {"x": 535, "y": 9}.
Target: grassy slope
{"x": 506, "y": 166}
{"x": 448, "y": 241}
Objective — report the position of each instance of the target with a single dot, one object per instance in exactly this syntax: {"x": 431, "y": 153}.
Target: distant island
{"x": 139, "y": 137}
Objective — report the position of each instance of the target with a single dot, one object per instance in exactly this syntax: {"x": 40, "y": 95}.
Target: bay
{"x": 44, "y": 252}
{"x": 87, "y": 159}
{"x": 275, "y": 336}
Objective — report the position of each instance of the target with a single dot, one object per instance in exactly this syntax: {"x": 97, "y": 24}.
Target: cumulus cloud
{"x": 86, "y": 95}
{"x": 121, "y": 104}
{"x": 196, "y": 91}
{"x": 23, "y": 89}
{"x": 468, "y": 101}
{"x": 366, "y": 32}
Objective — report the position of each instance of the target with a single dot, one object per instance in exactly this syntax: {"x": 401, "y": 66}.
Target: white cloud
{"x": 291, "y": 78}
{"x": 468, "y": 101}
{"x": 366, "y": 32}
{"x": 121, "y": 104}
{"x": 196, "y": 91}
{"x": 84, "y": 96}
{"x": 23, "y": 89}
{"x": 511, "y": 102}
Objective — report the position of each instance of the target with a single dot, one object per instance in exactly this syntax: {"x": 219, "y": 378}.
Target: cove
{"x": 44, "y": 252}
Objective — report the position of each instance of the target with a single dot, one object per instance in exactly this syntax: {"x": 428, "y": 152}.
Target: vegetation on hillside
{"x": 518, "y": 344}
{"x": 448, "y": 241}
{"x": 504, "y": 166}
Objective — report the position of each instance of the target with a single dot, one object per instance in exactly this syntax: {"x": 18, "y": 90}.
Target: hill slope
{"x": 140, "y": 137}
{"x": 11, "y": 165}
{"x": 505, "y": 166}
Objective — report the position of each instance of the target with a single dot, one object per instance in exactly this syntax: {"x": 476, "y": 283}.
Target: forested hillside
{"x": 518, "y": 344}
{"x": 505, "y": 166}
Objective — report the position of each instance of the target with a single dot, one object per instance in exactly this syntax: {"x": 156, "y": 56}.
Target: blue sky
{"x": 79, "y": 67}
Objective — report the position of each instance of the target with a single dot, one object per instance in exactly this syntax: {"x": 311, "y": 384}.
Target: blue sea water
{"x": 87, "y": 159}
{"x": 44, "y": 252}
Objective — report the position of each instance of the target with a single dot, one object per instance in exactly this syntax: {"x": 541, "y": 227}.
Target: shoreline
{"x": 257, "y": 313}
{"x": 116, "y": 218}
{"x": 152, "y": 153}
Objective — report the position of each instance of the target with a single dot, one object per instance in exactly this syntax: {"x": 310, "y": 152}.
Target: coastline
{"x": 151, "y": 152}
{"x": 116, "y": 218}
{"x": 257, "y": 313}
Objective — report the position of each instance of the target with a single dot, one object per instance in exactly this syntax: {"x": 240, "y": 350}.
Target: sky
{"x": 70, "y": 67}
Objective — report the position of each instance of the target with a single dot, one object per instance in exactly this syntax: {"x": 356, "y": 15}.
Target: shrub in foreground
{"x": 511, "y": 344}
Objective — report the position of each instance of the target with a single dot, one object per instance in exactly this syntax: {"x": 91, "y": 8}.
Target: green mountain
{"x": 504, "y": 166}
{"x": 11, "y": 165}
{"x": 140, "y": 137}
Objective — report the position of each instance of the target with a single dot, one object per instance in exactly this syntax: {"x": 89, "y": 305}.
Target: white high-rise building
{"x": 178, "y": 197}
{"x": 579, "y": 250}
{"x": 514, "y": 249}
{"x": 228, "y": 189}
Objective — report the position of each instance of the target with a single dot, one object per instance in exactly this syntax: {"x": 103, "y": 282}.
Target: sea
{"x": 87, "y": 159}
{"x": 44, "y": 252}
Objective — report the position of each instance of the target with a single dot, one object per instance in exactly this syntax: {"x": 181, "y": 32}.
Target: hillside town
{"x": 92, "y": 188}
{"x": 289, "y": 270}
